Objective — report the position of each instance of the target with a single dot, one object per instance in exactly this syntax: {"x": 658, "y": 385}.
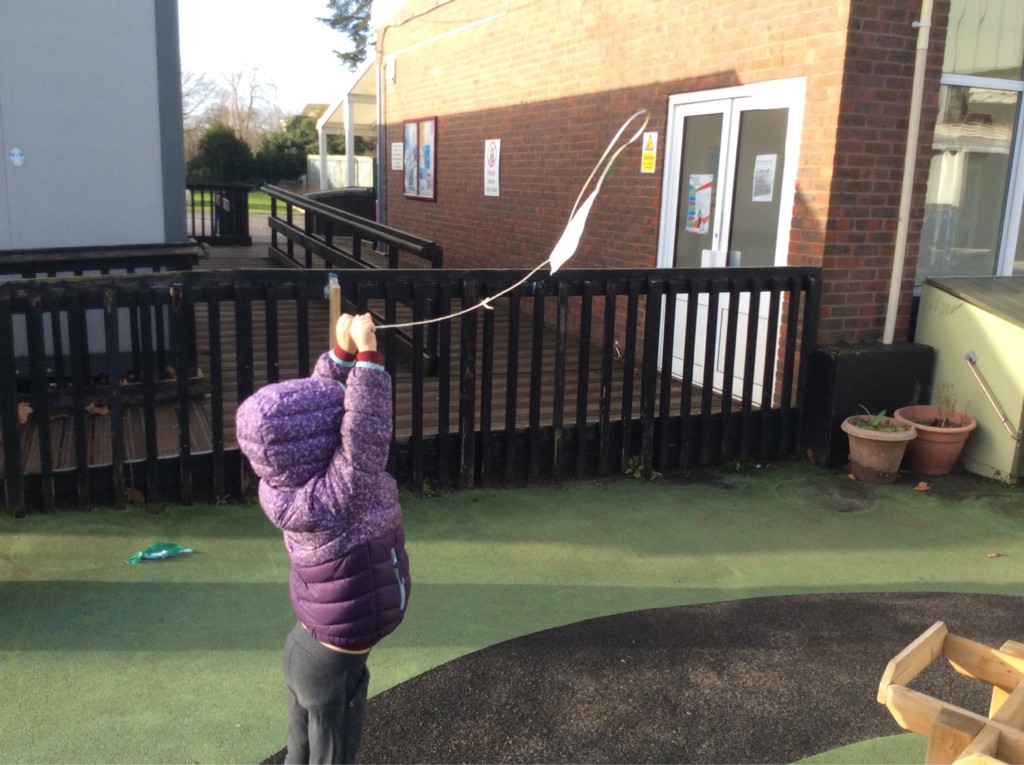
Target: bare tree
{"x": 238, "y": 100}
{"x": 198, "y": 94}
{"x": 247, "y": 108}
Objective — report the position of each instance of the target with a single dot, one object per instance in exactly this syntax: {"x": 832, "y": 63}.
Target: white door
{"x": 729, "y": 182}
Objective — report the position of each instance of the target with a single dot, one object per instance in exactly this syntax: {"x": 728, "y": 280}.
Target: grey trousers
{"x": 326, "y": 700}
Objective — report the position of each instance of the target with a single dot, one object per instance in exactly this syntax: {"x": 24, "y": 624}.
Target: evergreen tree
{"x": 353, "y": 18}
{"x": 282, "y": 155}
{"x": 222, "y": 156}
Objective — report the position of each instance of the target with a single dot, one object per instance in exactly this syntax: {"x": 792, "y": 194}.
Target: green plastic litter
{"x": 159, "y": 551}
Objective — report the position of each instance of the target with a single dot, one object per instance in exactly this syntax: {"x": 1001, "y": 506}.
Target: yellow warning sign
{"x": 649, "y": 153}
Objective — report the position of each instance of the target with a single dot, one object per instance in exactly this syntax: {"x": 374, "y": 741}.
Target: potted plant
{"x": 942, "y": 431}
{"x": 877, "y": 444}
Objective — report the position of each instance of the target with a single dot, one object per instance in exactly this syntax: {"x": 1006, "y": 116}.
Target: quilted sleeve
{"x": 335, "y": 365}
{"x": 356, "y": 482}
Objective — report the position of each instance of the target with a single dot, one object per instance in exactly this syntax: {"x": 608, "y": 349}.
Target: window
{"x": 972, "y": 216}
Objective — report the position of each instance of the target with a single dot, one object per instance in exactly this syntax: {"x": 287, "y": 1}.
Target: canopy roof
{"x": 359, "y": 95}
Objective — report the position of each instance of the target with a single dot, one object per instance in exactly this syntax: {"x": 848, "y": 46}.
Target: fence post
{"x": 115, "y": 412}
{"x": 78, "y": 348}
{"x": 184, "y": 340}
{"x": 649, "y": 372}
{"x": 467, "y": 387}
{"x": 14, "y": 489}
{"x": 40, "y": 397}
{"x": 558, "y": 400}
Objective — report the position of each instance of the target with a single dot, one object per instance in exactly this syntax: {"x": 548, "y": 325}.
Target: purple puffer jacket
{"x": 320, "y": 448}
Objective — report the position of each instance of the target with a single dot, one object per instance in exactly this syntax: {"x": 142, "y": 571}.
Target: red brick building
{"x": 793, "y": 115}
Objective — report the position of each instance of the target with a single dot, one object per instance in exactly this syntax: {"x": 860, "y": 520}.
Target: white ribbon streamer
{"x": 567, "y": 243}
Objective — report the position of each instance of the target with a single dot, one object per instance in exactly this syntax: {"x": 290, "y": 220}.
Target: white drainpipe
{"x": 909, "y": 163}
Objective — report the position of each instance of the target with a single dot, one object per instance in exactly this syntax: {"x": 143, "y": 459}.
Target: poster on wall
{"x": 698, "y": 208}
{"x": 764, "y": 177}
{"x": 420, "y": 158}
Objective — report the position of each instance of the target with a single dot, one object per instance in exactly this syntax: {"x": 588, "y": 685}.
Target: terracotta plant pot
{"x": 875, "y": 455}
{"x": 936, "y": 448}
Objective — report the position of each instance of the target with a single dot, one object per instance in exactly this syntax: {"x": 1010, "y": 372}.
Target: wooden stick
{"x": 334, "y": 297}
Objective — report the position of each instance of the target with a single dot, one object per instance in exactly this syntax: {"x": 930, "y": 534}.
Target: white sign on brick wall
{"x": 492, "y": 163}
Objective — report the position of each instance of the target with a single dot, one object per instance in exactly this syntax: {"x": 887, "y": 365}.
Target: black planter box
{"x": 843, "y": 377}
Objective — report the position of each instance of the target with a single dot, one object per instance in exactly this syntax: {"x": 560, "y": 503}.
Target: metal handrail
{"x": 972, "y": 363}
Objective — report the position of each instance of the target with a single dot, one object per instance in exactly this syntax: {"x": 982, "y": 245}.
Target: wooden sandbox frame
{"x": 956, "y": 735}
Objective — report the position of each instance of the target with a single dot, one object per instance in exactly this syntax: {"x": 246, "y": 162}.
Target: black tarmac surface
{"x": 765, "y": 680}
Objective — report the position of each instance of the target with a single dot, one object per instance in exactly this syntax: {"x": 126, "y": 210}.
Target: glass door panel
{"x": 757, "y": 198}
{"x": 697, "y": 228}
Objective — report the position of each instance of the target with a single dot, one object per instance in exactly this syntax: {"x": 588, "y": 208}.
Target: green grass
{"x": 259, "y": 203}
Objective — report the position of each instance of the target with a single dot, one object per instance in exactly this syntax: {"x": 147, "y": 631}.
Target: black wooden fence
{"x": 218, "y": 212}
{"x": 559, "y": 379}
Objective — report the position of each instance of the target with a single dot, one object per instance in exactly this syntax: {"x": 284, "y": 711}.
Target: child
{"x": 320, "y": 447}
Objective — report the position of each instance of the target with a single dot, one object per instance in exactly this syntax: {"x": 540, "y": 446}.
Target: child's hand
{"x": 342, "y": 333}
{"x": 362, "y": 332}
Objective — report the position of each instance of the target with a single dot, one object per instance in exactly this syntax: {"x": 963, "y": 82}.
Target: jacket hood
{"x": 291, "y": 430}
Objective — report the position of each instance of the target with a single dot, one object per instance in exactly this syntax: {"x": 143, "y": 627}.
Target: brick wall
{"x": 871, "y": 140}
{"x": 554, "y": 81}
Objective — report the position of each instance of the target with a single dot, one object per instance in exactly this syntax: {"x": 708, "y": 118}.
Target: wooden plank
{"x": 950, "y": 734}
{"x": 605, "y": 403}
{"x": 115, "y": 417}
{"x": 147, "y": 362}
{"x": 978, "y": 759}
{"x": 583, "y": 376}
{"x": 982, "y": 750}
{"x": 467, "y": 390}
{"x": 40, "y": 400}
{"x": 913, "y": 659}
{"x": 12, "y": 454}
{"x": 916, "y": 712}
{"x": 1011, "y": 711}
{"x": 981, "y": 662}
{"x": 1013, "y": 648}
{"x": 512, "y": 383}
{"x": 487, "y": 380}
{"x": 334, "y": 298}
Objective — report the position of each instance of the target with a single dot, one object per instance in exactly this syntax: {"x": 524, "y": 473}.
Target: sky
{"x": 282, "y": 39}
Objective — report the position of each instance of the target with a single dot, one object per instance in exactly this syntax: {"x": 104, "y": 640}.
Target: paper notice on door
{"x": 764, "y": 177}
{"x": 698, "y": 210}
